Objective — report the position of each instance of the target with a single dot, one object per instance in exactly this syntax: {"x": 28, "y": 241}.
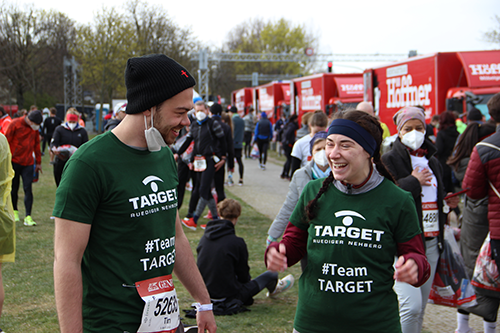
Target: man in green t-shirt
{"x": 117, "y": 229}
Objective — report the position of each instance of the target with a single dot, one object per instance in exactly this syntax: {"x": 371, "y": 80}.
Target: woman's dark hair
{"x": 372, "y": 126}
{"x": 446, "y": 119}
{"x": 474, "y": 133}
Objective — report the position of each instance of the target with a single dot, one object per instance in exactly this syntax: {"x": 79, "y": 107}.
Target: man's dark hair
{"x": 494, "y": 107}
{"x": 2, "y": 111}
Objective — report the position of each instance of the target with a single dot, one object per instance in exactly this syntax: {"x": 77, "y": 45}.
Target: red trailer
{"x": 242, "y": 99}
{"x": 326, "y": 91}
{"x": 11, "y": 109}
{"x": 455, "y": 81}
{"x": 273, "y": 98}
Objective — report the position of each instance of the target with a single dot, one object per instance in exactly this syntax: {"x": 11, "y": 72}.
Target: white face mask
{"x": 200, "y": 115}
{"x": 71, "y": 126}
{"x": 154, "y": 139}
{"x": 413, "y": 139}
{"x": 320, "y": 158}
{"x": 35, "y": 127}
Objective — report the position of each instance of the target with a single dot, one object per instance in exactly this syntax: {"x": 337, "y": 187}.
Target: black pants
{"x": 184, "y": 174}
{"x": 219, "y": 183}
{"x": 247, "y": 138}
{"x": 288, "y": 154}
{"x": 248, "y": 290}
{"x": 204, "y": 180}
{"x": 26, "y": 173}
{"x": 58, "y": 170}
{"x": 263, "y": 146}
{"x": 237, "y": 156}
{"x": 46, "y": 141}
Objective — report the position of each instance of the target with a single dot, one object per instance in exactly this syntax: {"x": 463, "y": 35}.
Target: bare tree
{"x": 493, "y": 36}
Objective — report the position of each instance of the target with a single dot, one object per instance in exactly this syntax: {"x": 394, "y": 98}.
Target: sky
{"x": 343, "y": 27}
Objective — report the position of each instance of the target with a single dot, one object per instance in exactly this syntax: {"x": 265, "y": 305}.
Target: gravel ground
{"x": 265, "y": 191}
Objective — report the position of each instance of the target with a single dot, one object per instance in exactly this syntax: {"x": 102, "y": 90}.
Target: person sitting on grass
{"x": 223, "y": 261}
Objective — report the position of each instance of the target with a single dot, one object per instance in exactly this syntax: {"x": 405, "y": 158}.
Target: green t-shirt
{"x": 351, "y": 245}
{"x": 129, "y": 196}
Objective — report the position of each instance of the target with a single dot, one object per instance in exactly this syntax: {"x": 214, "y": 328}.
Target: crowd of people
{"x": 365, "y": 221}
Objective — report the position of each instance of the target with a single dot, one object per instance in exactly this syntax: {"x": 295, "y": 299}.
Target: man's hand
{"x": 206, "y": 321}
{"x": 219, "y": 164}
{"x": 453, "y": 201}
{"x": 176, "y": 157}
{"x": 406, "y": 271}
{"x": 38, "y": 168}
{"x": 276, "y": 261}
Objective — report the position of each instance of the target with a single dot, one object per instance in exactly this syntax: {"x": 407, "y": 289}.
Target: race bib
{"x": 200, "y": 163}
{"x": 430, "y": 219}
{"x": 161, "y": 311}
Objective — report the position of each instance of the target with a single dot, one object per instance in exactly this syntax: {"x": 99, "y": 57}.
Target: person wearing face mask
{"x": 118, "y": 236}
{"x": 66, "y": 138}
{"x": 24, "y": 142}
{"x": 316, "y": 168}
{"x": 414, "y": 167}
{"x": 209, "y": 155}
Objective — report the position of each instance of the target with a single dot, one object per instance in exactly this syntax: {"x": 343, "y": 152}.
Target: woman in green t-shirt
{"x": 351, "y": 225}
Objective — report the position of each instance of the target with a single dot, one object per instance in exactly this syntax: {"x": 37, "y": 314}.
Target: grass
{"x": 29, "y": 292}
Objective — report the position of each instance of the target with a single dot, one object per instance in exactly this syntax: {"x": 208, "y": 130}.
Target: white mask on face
{"x": 200, "y": 115}
{"x": 71, "y": 126}
{"x": 413, "y": 139}
{"x": 154, "y": 139}
{"x": 320, "y": 158}
{"x": 35, "y": 127}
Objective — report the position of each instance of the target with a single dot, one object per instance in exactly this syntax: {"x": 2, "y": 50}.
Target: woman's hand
{"x": 424, "y": 177}
{"x": 406, "y": 271}
{"x": 276, "y": 261}
{"x": 453, "y": 201}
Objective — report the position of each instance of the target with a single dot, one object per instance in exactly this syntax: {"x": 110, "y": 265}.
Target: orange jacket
{"x": 23, "y": 142}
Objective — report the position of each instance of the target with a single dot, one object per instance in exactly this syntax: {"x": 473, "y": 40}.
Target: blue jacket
{"x": 264, "y": 129}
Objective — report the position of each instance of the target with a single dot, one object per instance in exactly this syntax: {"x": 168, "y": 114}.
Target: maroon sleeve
{"x": 295, "y": 240}
{"x": 414, "y": 249}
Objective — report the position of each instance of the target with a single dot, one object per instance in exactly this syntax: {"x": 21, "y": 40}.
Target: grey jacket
{"x": 299, "y": 180}
{"x": 249, "y": 122}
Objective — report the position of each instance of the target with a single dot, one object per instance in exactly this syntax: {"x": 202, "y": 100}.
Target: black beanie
{"x": 216, "y": 109}
{"x": 234, "y": 109}
{"x": 36, "y": 116}
{"x": 152, "y": 79}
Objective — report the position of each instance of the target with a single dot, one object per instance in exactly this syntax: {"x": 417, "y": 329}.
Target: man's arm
{"x": 70, "y": 241}
{"x": 188, "y": 274}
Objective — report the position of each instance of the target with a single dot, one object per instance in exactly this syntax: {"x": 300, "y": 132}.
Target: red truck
{"x": 272, "y": 98}
{"x": 455, "y": 81}
{"x": 242, "y": 99}
{"x": 326, "y": 91}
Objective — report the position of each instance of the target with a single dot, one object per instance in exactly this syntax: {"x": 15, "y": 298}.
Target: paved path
{"x": 265, "y": 191}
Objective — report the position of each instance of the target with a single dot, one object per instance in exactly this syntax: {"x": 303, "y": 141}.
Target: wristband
{"x": 203, "y": 307}
{"x": 270, "y": 239}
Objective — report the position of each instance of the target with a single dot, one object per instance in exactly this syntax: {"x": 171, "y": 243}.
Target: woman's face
{"x": 410, "y": 125}
{"x": 349, "y": 162}
{"x": 318, "y": 146}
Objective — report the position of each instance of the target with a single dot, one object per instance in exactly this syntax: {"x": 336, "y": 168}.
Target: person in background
{"x": 482, "y": 179}
{"x": 49, "y": 125}
{"x": 223, "y": 261}
{"x": 301, "y": 152}
{"x": 368, "y": 108}
{"x": 317, "y": 168}
{"x": 263, "y": 135}
{"x": 249, "y": 119}
{"x": 415, "y": 169}
{"x": 220, "y": 173}
{"x": 7, "y": 223}
{"x": 24, "y": 142}
{"x": 66, "y": 139}
{"x": 238, "y": 137}
{"x": 119, "y": 112}
{"x": 430, "y": 129}
{"x": 304, "y": 130}
{"x": 445, "y": 143}
{"x": 5, "y": 120}
{"x": 359, "y": 194}
{"x": 288, "y": 141}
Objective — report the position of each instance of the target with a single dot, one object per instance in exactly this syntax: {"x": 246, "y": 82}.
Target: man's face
{"x": 200, "y": 107}
{"x": 171, "y": 117}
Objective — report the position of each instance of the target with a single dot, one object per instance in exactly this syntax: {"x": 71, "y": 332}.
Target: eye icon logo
{"x": 348, "y": 214}
{"x": 152, "y": 180}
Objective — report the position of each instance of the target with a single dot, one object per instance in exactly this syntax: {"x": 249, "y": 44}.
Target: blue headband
{"x": 354, "y": 131}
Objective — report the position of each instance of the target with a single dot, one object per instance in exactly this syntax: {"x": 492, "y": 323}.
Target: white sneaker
{"x": 283, "y": 285}
{"x": 469, "y": 331}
